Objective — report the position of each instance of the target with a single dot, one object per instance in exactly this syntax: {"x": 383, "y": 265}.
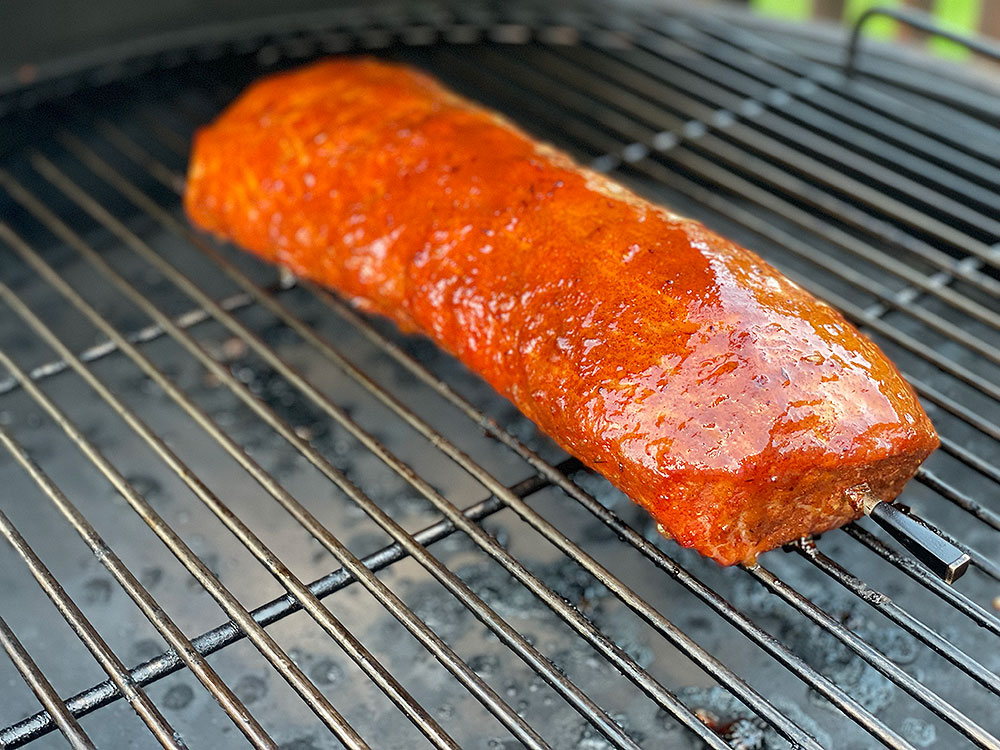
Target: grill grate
{"x": 874, "y": 198}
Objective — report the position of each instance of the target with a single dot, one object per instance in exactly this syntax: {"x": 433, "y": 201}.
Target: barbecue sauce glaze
{"x": 719, "y": 395}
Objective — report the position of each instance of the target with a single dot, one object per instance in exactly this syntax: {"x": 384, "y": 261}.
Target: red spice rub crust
{"x": 723, "y": 398}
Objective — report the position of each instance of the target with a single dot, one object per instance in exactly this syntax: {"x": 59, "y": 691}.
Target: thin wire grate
{"x": 247, "y": 421}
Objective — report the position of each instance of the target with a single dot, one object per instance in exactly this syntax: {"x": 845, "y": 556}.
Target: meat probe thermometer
{"x": 943, "y": 558}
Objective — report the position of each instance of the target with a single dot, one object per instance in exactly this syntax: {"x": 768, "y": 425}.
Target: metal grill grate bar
{"x": 85, "y": 631}
{"x": 987, "y": 516}
{"x": 610, "y": 650}
{"x": 334, "y": 628}
{"x": 41, "y": 687}
{"x": 223, "y": 694}
{"x": 894, "y": 613}
{"x": 142, "y": 336}
{"x": 875, "y": 658}
{"x": 266, "y": 614}
{"x": 956, "y": 599}
{"x": 462, "y": 671}
{"x": 319, "y": 703}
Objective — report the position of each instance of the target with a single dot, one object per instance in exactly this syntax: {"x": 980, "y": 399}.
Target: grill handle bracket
{"x": 920, "y": 21}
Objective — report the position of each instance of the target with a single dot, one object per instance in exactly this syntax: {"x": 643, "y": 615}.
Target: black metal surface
{"x": 940, "y": 556}
{"x": 230, "y": 404}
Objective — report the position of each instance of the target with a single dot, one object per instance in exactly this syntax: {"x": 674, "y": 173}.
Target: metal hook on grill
{"x": 942, "y": 557}
{"x": 920, "y": 21}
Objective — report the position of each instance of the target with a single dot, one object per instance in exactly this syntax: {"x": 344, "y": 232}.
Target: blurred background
{"x": 961, "y": 16}
{"x": 34, "y": 32}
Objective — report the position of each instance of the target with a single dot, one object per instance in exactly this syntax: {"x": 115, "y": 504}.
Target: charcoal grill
{"x": 238, "y": 511}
